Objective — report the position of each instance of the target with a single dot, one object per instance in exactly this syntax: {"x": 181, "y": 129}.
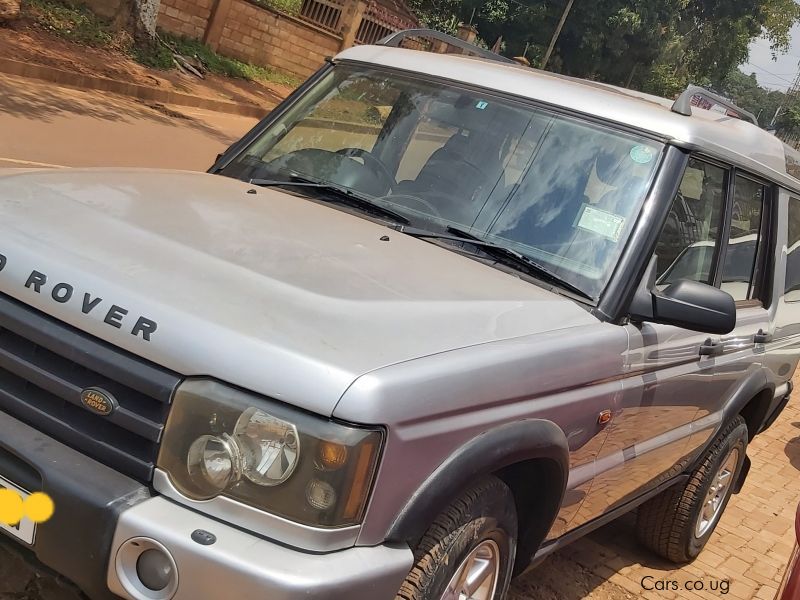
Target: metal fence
{"x": 322, "y": 13}
{"x": 379, "y": 19}
{"x": 370, "y": 31}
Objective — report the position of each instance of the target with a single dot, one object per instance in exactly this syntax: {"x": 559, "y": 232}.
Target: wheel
{"x": 678, "y": 522}
{"x": 468, "y": 551}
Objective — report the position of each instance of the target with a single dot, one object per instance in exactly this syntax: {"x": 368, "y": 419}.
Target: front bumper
{"x": 88, "y": 498}
{"x": 243, "y": 566}
{"x": 98, "y": 510}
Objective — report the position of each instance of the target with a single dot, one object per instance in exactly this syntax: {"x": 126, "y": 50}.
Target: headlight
{"x": 222, "y": 441}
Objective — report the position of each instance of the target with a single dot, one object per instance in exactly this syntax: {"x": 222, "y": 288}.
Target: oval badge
{"x": 98, "y": 401}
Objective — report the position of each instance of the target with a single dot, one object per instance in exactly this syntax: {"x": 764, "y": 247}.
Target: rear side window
{"x": 792, "y": 286}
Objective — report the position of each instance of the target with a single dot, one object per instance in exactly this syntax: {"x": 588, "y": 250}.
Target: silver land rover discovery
{"x": 433, "y": 318}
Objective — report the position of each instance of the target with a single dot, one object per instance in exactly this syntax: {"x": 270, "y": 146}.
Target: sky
{"x": 778, "y": 74}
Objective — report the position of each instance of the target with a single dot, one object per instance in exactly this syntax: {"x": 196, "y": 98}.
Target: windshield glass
{"x": 560, "y": 190}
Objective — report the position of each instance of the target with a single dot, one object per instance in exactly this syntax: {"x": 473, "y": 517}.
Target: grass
{"x": 78, "y": 24}
{"x": 74, "y": 23}
{"x": 291, "y": 7}
{"x": 217, "y": 63}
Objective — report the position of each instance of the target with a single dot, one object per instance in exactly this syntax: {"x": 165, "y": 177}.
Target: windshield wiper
{"x": 340, "y": 193}
{"x": 504, "y": 254}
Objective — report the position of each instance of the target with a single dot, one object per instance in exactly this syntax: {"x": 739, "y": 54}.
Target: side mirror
{"x": 684, "y": 303}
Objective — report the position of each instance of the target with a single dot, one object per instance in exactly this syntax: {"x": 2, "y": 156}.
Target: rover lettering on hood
{"x": 63, "y": 292}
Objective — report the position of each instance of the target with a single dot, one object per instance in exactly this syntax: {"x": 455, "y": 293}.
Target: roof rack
{"x": 396, "y": 39}
{"x": 683, "y": 105}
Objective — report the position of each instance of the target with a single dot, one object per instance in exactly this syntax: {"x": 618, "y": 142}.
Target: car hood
{"x": 269, "y": 291}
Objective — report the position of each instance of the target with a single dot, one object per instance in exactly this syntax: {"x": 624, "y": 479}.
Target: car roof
{"x": 712, "y": 133}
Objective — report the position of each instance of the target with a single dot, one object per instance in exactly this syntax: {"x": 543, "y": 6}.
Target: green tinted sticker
{"x": 481, "y": 105}
{"x": 601, "y": 222}
{"x": 642, "y": 154}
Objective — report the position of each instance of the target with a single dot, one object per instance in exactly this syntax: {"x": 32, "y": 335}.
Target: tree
{"x": 656, "y": 45}
{"x": 445, "y": 15}
{"x": 745, "y": 92}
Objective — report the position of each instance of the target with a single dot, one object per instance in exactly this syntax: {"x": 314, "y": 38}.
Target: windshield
{"x": 560, "y": 190}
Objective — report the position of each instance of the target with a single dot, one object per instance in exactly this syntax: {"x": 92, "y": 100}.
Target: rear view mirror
{"x": 684, "y": 303}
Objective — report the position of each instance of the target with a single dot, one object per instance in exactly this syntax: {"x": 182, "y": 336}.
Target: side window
{"x": 740, "y": 256}
{"x": 792, "y": 286}
{"x": 687, "y": 243}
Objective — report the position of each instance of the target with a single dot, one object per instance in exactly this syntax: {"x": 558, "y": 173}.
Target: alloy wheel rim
{"x": 477, "y": 576}
{"x": 717, "y": 493}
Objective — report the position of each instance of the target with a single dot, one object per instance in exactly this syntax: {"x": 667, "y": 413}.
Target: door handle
{"x": 762, "y": 337}
{"x": 711, "y": 348}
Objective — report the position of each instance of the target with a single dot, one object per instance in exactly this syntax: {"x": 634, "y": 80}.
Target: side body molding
{"x": 512, "y": 444}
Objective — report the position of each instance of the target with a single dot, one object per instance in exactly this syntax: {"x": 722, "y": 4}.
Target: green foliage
{"x": 745, "y": 92}
{"x": 445, "y": 15}
{"x": 70, "y": 22}
{"x": 217, "y": 63}
{"x": 153, "y": 55}
{"x": 663, "y": 81}
{"x": 290, "y": 7}
{"x": 792, "y": 118}
{"x": 778, "y": 18}
{"x": 655, "y": 45}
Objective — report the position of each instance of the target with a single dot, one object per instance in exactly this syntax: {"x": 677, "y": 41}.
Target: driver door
{"x": 669, "y": 379}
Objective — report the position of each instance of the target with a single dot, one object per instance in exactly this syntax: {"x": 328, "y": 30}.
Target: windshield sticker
{"x": 601, "y": 222}
{"x": 642, "y": 154}
{"x": 481, "y": 105}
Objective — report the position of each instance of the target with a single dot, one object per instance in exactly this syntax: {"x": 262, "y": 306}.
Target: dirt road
{"x": 43, "y": 125}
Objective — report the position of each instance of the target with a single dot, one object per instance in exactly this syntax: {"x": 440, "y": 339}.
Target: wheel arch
{"x": 756, "y": 410}
{"x": 530, "y": 456}
{"x": 751, "y": 398}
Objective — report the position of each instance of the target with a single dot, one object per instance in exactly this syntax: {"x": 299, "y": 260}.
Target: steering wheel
{"x": 431, "y": 208}
{"x": 372, "y": 163}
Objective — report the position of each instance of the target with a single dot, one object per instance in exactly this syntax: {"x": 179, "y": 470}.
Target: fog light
{"x": 320, "y": 495}
{"x": 146, "y": 570}
{"x": 154, "y": 569}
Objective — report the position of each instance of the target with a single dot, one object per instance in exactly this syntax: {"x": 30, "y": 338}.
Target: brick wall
{"x": 268, "y": 38}
{"x": 253, "y": 34}
{"x": 185, "y": 17}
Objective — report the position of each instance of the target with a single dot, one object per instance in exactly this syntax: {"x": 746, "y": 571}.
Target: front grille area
{"x": 46, "y": 364}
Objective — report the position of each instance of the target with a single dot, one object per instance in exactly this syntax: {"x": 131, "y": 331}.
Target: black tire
{"x": 486, "y": 511}
{"x": 667, "y": 524}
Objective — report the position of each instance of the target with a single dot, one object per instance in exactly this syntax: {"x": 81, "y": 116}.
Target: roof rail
{"x": 683, "y": 105}
{"x": 396, "y": 39}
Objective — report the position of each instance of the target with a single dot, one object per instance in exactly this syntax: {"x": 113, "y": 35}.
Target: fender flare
{"x": 746, "y": 389}
{"x": 491, "y": 451}
{"x": 753, "y": 384}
